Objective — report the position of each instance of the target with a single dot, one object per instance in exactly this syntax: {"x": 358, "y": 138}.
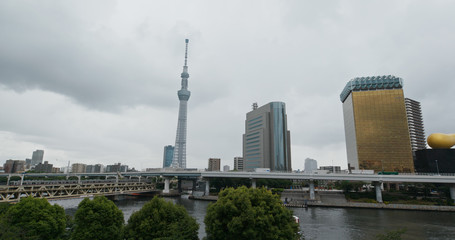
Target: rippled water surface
{"x": 324, "y": 223}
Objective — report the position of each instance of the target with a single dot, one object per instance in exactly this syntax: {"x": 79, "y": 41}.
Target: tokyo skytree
{"x": 179, "y": 160}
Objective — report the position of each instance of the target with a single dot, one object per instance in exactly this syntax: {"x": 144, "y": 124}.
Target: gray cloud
{"x": 98, "y": 81}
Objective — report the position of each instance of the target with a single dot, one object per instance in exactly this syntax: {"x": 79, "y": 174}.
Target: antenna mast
{"x": 186, "y": 50}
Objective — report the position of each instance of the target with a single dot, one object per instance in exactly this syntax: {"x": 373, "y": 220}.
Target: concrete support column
{"x": 116, "y": 179}
{"x": 166, "y": 185}
{"x": 452, "y": 191}
{"x": 79, "y": 180}
{"x": 312, "y": 197}
{"x": 140, "y": 178}
{"x": 7, "y": 182}
{"x": 194, "y": 185}
{"x": 253, "y": 183}
{"x": 22, "y": 179}
{"x": 207, "y": 187}
{"x": 377, "y": 187}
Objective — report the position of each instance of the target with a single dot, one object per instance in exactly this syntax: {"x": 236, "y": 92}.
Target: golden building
{"x": 376, "y": 126}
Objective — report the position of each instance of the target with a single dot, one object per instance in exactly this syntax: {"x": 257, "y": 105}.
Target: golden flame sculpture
{"x": 441, "y": 140}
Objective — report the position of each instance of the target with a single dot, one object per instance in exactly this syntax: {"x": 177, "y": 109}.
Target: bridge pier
{"x": 22, "y": 179}
{"x": 207, "y": 187}
{"x": 452, "y": 191}
{"x": 312, "y": 197}
{"x": 179, "y": 185}
{"x": 79, "y": 180}
{"x": 166, "y": 185}
{"x": 377, "y": 187}
{"x": 7, "y": 182}
{"x": 253, "y": 183}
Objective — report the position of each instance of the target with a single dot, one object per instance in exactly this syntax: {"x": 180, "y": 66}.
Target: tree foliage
{"x": 247, "y": 213}
{"x": 159, "y": 219}
{"x": 98, "y": 219}
{"x": 33, "y": 218}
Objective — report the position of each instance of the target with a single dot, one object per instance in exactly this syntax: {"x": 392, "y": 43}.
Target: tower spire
{"x": 186, "y": 50}
{"x": 179, "y": 158}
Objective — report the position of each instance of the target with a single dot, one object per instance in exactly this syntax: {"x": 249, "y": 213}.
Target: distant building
{"x": 415, "y": 124}
{"x": 310, "y": 165}
{"x": 226, "y": 168}
{"x": 78, "y": 168}
{"x": 168, "y": 156}
{"x": 37, "y": 157}
{"x": 435, "y": 161}
{"x": 267, "y": 142}
{"x": 14, "y": 166}
{"x": 331, "y": 169}
{"x": 238, "y": 163}
{"x": 56, "y": 170}
{"x": 28, "y": 163}
{"x": 376, "y": 124}
{"x": 44, "y": 167}
{"x": 97, "y": 168}
{"x": 214, "y": 164}
{"x": 117, "y": 168}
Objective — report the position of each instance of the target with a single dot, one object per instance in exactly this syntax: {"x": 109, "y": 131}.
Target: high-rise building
{"x": 267, "y": 142}
{"x": 37, "y": 157}
{"x": 14, "y": 166}
{"x": 179, "y": 159}
{"x": 78, "y": 168}
{"x": 44, "y": 167}
{"x": 97, "y": 168}
{"x": 226, "y": 168}
{"x": 238, "y": 163}
{"x": 168, "y": 156}
{"x": 376, "y": 126}
{"x": 310, "y": 165}
{"x": 214, "y": 164}
{"x": 415, "y": 124}
{"x": 118, "y": 167}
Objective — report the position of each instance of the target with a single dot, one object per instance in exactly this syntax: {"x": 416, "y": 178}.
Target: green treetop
{"x": 98, "y": 219}
{"x": 33, "y": 218}
{"x": 159, "y": 219}
{"x": 247, "y": 213}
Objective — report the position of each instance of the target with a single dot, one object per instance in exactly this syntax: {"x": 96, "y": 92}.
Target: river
{"x": 322, "y": 223}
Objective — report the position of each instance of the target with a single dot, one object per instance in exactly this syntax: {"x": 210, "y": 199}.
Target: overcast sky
{"x": 96, "y": 81}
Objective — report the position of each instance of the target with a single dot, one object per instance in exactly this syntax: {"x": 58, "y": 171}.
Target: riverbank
{"x": 336, "y": 199}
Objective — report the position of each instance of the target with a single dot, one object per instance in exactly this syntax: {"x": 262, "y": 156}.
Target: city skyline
{"x": 96, "y": 83}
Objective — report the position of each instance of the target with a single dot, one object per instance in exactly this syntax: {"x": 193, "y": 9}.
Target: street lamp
{"x": 437, "y": 167}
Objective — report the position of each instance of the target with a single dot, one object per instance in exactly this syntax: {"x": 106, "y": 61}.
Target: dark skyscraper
{"x": 179, "y": 160}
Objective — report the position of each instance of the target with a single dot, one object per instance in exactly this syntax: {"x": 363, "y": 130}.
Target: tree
{"x": 247, "y": 213}
{"x": 33, "y": 218}
{"x": 98, "y": 219}
{"x": 159, "y": 219}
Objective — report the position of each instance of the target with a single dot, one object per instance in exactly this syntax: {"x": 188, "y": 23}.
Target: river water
{"x": 322, "y": 223}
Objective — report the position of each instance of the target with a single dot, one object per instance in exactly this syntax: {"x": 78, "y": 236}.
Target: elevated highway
{"x": 141, "y": 177}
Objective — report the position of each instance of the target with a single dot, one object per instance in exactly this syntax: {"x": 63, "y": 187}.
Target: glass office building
{"x": 168, "y": 156}
{"x": 376, "y": 126}
{"x": 266, "y": 142}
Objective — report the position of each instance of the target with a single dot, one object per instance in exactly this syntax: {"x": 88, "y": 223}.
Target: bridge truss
{"x": 66, "y": 190}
